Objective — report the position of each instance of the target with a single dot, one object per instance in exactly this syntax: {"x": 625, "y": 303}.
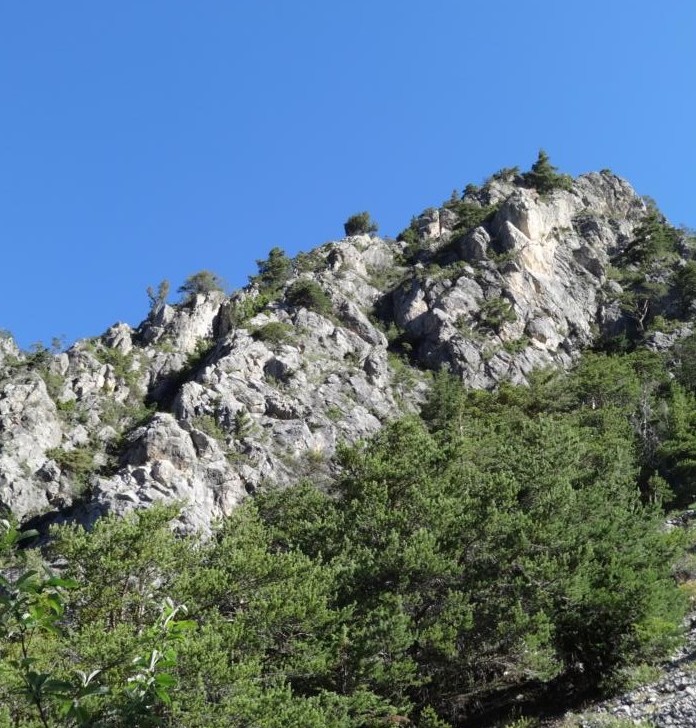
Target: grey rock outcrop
{"x": 530, "y": 286}
{"x": 208, "y": 400}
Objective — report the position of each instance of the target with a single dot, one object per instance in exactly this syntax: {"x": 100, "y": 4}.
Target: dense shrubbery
{"x": 500, "y": 543}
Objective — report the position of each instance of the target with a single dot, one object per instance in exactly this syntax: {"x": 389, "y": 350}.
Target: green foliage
{"x": 274, "y": 271}
{"x": 124, "y": 366}
{"x": 360, "y": 224}
{"x": 202, "y": 282}
{"x": 685, "y": 281}
{"x": 309, "y": 294}
{"x": 242, "y": 424}
{"x": 410, "y": 237}
{"x": 640, "y": 299}
{"x": 243, "y": 309}
{"x": 685, "y": 355}
{"x": 507, "y": 174}
{"x": 470, "y": 215}
{"x": 544, "y": 177}
{"x": 516, "y": 346}
{"x": 644, "y": 291}
{"x": 273, "y": 333}
{"x": 653, "y": 239}
{"x": 78, "y": 463}
{"x": 201, "y": 351}
{"x": 495, "y": 313}
{"x": 210, "y": 426}
{"x": 41, "y": 683}
{"x": 497, "y": 544}
{"x": 308, "y": 262}
{"x": 54, "y": 384}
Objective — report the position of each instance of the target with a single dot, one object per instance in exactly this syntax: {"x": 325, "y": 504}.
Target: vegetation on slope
{"x": 502, "y": 544}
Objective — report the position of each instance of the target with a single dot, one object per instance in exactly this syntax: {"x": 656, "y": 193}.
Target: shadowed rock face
{"x": 232, "y": 407}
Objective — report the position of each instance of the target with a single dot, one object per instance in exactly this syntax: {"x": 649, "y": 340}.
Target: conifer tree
{"x": 544, "y": 177}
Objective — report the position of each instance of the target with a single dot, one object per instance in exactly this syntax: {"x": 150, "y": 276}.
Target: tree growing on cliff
{"x": 360, "y": 224}
{"x": 204, "y": 281}
{"x": 544, "y": 177}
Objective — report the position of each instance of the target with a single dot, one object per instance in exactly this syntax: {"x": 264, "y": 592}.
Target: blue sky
{"x": 149, "y": 139}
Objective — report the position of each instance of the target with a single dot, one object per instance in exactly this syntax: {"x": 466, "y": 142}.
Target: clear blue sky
{"x": 148, "y": 139}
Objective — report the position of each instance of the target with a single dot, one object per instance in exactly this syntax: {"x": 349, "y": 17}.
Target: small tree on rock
{"x": 274, "y": 271}
{"x": 309, "y": 294}
{"x": 158, "y": 298}
{"x": 360, "y": 224}
{"x": 544, "y": 177}
{"x": 204, "y": 281}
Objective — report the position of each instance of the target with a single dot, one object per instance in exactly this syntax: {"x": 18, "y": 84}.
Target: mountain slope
{"x": 208, "y": 399}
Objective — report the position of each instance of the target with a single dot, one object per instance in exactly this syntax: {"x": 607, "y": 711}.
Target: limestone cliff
{"x": 209, "y": 399}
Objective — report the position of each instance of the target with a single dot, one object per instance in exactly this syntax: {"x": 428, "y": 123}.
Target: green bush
{"x": 274, "y": 271}
{"x": 204, "y": 281}
{"x": 495, "y": 313}
{"x": 496, "y": 546}
{"x": 653, "y": 239}
{"x": 241, "y": 310}
{"x": 544, "y": 177}
{"x": 360, "y": 224}
{"x": 274, "y": 333}
{"x": 685, "y": 281}
{"x": 309, "y": 294}
{"x": 470, "y": 215}
{"x": 210, "y": 426}
{"x": 78, "y": 463}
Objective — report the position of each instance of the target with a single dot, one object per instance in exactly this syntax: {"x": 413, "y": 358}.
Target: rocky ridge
{"x": 208, "y": 399}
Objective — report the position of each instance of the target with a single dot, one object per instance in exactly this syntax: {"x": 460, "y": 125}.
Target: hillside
{"x": 469, "y": 450}
{"x": 209, "y": 398}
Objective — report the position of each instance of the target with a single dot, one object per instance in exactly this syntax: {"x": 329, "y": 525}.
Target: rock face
{"x": 529, "y": 289}
{"x": 211, "y": 398}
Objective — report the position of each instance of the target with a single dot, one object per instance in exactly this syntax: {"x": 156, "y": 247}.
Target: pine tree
{"x": 544, "y": 177}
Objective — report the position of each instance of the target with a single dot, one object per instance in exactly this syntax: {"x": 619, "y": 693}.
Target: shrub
{"x": 309, "y": 294}
{"x": 204, "y": 281}
{"x": 241, "y": 310}
{"x": 78, "y": 463}
{"x": 274, "y": 271}
{"x": 243, "y": 424}
{"x": 471, "y": 215}
{"x": 544, "y": 177}
{"x": 506, "y": 174}
{"x": 122, "y": 365}
{"x": 410, "y": 234}
{"x": 685, "y": 279}
{"x": 273, "y": 333}
{"x": 654, "y": 238}
{"x": 209, "y": 425}
{"x": 496, "y": 312}
{"x": 360, "y": 224}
